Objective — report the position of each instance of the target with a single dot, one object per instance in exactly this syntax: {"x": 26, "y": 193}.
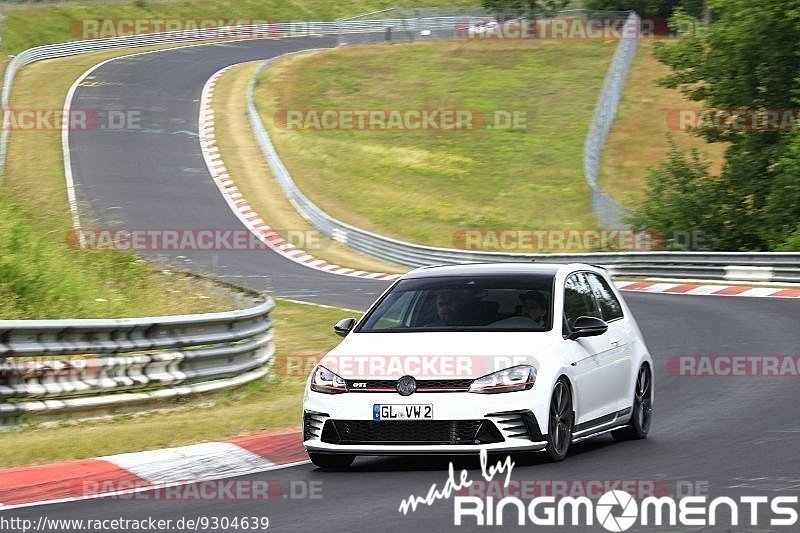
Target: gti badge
{"x": 406, "y": 386}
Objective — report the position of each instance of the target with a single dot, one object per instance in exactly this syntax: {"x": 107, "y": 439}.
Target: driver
{"x": 449, "y": 307}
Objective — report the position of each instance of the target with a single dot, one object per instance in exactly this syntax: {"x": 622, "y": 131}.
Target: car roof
{"x": 473, "y": 269}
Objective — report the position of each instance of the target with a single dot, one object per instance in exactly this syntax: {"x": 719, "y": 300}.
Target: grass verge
{"x": 639, "y": 136}
{"x": 266, "y": 405}
{"x": 41, "y": 274}
{"x": 250, "y": 172}
{"x": 423, "y": 185}
{"x": 33, "y": 24}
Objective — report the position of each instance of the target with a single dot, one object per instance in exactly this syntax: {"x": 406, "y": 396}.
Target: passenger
{"x": 532, "y": 314}
{"x": 534, "y": 306}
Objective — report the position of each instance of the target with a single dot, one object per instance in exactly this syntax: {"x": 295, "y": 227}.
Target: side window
{"x": 609, "y": 305}
{"x": 578, "y": 299}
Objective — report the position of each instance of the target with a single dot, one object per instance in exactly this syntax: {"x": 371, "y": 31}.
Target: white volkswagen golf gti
{"x": 507, "y": 357}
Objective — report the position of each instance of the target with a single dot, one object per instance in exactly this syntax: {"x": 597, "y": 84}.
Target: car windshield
{"x": 465, "y": 303}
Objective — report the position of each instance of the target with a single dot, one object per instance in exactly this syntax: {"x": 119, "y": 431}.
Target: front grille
{"x": 425, "y": 385}
{"x": 433, "y": 385}
{"x": 409, "y": 432}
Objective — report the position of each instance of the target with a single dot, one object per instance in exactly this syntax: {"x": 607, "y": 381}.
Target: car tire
{"x": 330, "y": 461}
{"x": 560, "y": 422}
{"x": 642, "y": 414}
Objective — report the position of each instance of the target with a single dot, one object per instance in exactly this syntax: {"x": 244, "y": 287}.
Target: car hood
{"x": 435, "y": 355}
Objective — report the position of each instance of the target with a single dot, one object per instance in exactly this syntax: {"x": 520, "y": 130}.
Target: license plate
{"x": 383, "y": 411}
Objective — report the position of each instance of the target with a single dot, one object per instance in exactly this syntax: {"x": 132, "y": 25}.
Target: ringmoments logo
{"x": 618, "y": 510}
{"x": 615, "y": 510}
{"x": 605, "y": 510}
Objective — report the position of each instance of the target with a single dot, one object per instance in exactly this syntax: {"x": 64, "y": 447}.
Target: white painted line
{"x": 209, "y": 149}
{"x": 65, "y": 153}
{"x": 241, "y": 208}
{"x": 195, "y": 462}
{"x": 301, "y": 302}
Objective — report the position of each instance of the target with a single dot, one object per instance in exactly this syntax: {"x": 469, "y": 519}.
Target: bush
{"x": 679, "y": 199}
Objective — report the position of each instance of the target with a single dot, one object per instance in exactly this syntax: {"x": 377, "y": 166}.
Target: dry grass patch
{"x": 425, "y": 185}
{"x": 639, "y": 136}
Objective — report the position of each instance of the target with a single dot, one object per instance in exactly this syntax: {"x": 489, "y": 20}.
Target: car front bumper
{"x": 343, "y": 423}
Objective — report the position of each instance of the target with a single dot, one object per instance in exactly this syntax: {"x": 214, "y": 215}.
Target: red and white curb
{"x": 243, "y": 210}
{"x": 128, "y": 473}
{"x": 270, "y": 238}
{"x": 144, "y": 471}
{"x": 707, "y": 290}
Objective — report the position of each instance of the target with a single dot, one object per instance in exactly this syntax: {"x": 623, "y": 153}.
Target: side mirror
{"x": 587, "y": 326}
{"x": 344, "y": 326}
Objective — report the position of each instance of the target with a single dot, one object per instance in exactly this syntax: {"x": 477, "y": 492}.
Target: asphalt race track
{"x": 154, "y": 176}
{"x": 740, "y": 435}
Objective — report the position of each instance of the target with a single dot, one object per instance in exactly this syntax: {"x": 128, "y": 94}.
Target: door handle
{"x": 614, "y": 341}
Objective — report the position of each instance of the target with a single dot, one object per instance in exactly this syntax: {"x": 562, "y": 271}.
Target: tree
{"x": 748, "y": 60}
{"x": 679, "y": 191}
{"x": 505, "y": 8}
{"x": 783, "y": 202}
{"x": 661, "y": 9}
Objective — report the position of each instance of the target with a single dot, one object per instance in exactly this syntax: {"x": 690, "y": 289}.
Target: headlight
{"x": 516, "y": 378}
{"x": 323, "y": 380}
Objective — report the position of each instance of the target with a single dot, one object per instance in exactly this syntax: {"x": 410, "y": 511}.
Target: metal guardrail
{"x": 64, "y": 366}
{"x": 608, "y": 210}
{"x": 57, "y": 366}
{"x": 252, "y": 31}
{"x": 739, "y": 266}
{"x": 774, "y": 267}
{"x": 72, "y": 365}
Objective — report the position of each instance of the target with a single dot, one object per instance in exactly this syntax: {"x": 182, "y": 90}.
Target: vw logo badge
{"x": 406, "y": 386}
